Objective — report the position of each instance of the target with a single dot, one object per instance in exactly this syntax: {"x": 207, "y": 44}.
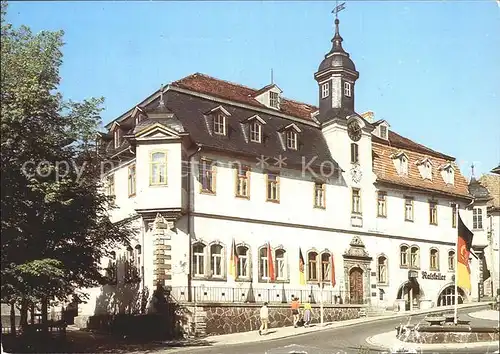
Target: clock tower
{"x": 336, "y": 77}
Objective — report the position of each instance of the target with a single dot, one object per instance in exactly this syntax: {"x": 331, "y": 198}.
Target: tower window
{"x": 347, "y": 89}
{"x": 354, "y": 153}
{"x": 325, "y": 90}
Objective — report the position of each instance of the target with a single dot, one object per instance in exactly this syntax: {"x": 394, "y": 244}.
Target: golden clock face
{"x": 354, "y": 131}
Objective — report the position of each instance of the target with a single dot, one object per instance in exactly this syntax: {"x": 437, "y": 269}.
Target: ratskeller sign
{"x": 433, "y": 276}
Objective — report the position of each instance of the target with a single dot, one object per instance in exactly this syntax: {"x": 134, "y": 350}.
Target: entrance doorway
{"x": 356, "y": 286}
{"x": 447, "y": 296}
{"x": 411, "y": 292}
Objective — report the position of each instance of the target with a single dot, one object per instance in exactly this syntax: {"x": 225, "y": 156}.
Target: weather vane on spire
{"x": 337, "y": 9}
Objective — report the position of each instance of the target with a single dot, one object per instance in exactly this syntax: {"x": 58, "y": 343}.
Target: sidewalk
{"x": 284, "y": 332}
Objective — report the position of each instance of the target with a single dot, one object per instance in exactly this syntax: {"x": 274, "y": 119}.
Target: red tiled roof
{"x": 235, "y": 92}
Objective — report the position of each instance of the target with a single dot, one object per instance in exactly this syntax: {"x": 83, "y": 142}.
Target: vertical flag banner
{"x": 233, "y": 260}
{"x": 464, "y": 244}
{"x": 332, "y": 270}
{"x": 302, "y": 276}
{"x": 270, "y": 264}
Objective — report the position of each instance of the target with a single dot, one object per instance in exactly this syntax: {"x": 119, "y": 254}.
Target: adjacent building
{"x": 241, "y": 194}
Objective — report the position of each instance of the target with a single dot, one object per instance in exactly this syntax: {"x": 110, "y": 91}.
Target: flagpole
{"x": 455, "y": 317}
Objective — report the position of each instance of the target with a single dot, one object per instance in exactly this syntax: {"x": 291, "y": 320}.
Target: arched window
{"x": 312, "y": 268}
{"x": 382, "y": 270}
{"x": 158, "y": 168}
{"x": 404, "y": 251}
{"x": 451, "y": 260}
{"x": 243, "y": 261}
{"x": 216, "y": 266}
{"x": 280, "y": 266}
{"x": 434, "y": 259}
{"x": 198, "y": 259}
{"x": 326, "y": 265}
{"x": 414, "y": 257}
{"x": 263, "y": 263}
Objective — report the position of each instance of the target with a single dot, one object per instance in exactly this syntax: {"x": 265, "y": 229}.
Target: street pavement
{"x": 340, "y": 340}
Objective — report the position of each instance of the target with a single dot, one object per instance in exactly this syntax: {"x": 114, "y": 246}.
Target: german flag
{"x": 302, "y": 275}
{"x": 464, "y": 244}
{"x": 233, "y": 261}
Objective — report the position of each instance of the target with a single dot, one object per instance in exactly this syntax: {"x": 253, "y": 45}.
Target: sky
{"x": 430, "y": 68}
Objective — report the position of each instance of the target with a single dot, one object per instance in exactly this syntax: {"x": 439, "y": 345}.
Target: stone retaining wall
{"x": 232, "y": 318}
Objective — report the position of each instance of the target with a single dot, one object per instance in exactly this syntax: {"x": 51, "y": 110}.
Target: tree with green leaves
{"x": 55, "y": 216}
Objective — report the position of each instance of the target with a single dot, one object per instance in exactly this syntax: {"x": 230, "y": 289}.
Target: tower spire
{"x": 337, "y": 38}
{"x": 472, "y": 176}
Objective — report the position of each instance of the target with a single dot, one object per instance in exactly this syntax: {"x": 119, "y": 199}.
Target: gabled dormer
{"x": 117, "y": 134}
{"x": 289, "y": 136}
{"x": 138, "y": 115}
{"x": 253, "y": 129}
{"x": 382, "y": 129}
{"x": 269, "y": 96}
{"x": 216, "y": 120}
{"x": 448, "y": 173}
{"x": 401, "y": 162}
{"x": 425, "y": 168}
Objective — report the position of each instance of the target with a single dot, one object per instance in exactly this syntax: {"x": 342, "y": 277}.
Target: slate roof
{"x": 477, "y": 190}
{"x": 491, "y": 182}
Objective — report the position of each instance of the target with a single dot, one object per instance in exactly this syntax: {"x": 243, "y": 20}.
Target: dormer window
{"x": 401, "y": 163}
{"x": 255, "y": 132}
{"x": 274, "y": 99}
{"x": 448, "y": 173}
{"x": 117, "y": 137}
{"x": 291, "y": 140}
{"x": 347, "y": 89}
{"x": 325, "y": 90}
{"x": 425, "y": 167}
{"x": 219, "y": 124}
{"x": 383, "y": 132}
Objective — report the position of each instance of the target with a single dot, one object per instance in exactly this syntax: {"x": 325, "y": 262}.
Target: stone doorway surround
{"x": 356, "y": 256}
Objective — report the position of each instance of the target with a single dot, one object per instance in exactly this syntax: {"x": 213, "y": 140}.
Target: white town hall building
{"x": 224, "y": 163}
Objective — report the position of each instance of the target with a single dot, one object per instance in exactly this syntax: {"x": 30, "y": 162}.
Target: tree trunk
{"x": 12, "y": 319}
{"x": 32, "y": 313}
{"x": 24, "y": 314}
{"x": 45, "y": 317}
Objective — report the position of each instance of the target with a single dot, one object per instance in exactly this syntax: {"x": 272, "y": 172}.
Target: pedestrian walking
{"x": 264, "y": 318}
{"x": 307, "y": 314}
{"x": 295, "y": 311}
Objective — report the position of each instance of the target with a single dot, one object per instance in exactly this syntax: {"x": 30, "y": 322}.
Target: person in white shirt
{"x": 264, "y": 318}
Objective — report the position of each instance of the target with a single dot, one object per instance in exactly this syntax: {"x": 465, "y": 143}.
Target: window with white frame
{"x": 220, "y": 124}
{"x": 325, "y": 90}
{"x": 434, "y": 259}
{"x": 408, "y": 209}
{"x": 319, "y": 195}
{"x": 242, "y": 181}
{"x": 381, "y": 204}
{"x": 243, "y": 261}
{"x": 255, "y": 132}
{"x": 131, "y": 180}
{"x": 382, "y": 270}
{"x": 451, "y": 260}
{"x": 347, "y": 89}
{"x": 207, "y": 176}
{"x": 356, "y": 201}
{"x": 433, "y": 215}
{"x": 110, "y": 185}
{"x": 326, "y": 265}
{"x": 216, "y": 261}
{"x": 291, "y": 139}
{"x": 383, "y": 132}
{"x": 263, "y": 263}
{"x": 117, "y": 137}
{"x": 274, "y": 99}
{"x": 403, "y": 252}
{"x": 477, "y": 218}
{"x": 198, "y": 259}
{"x": 280, "y": 264}
{"x": 273, "y": 187}
{"x": 312, "y": 266}
{"x": 403, "y": 166}
{"x": 414, "y": 257}
{"x": 158, "y": 168}
{"x": 454, "y": 210}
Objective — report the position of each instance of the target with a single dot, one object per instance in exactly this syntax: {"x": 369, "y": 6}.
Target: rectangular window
{"x": 408, "y": 209}
{"x": 382, "y": 204}
{"x": 477, "y": 218}
{"x": 242, "y": 181}
{"x": 158, "y": 168}
{"x": 434, "y": 260}
{"x": 453, "y": 215}
{"x": 131, "y": 180}
{"x": 433, "y": 216}
{"x": 280, "y": 264}
{"x": 274, "y": 99}
{"x": 356, "y": 201}
{"x": 255, "y": 132}
{"x": 198, "y": 260}
{"x": 117, "y": 138}
{"x": 273, "y": 187}
{"x": 110, "y": 185}
{"x": 312, "y": 269}
{"x": 325, "y": 90}
{"x": 404, "y": 256}
{"x": 291, "y": 140}
{"x": 347, "y": 89}
{"x": 354, "y": 153}
{"x": 263, "y": 264}
{"x": 451, "y": 260}
{"x": 207, "y": 176}
{"x": 319, "y": 195}
{"x": 220, "y": 124}
{"x": 383, "y": 132}
{"x": 216, "y": 260}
